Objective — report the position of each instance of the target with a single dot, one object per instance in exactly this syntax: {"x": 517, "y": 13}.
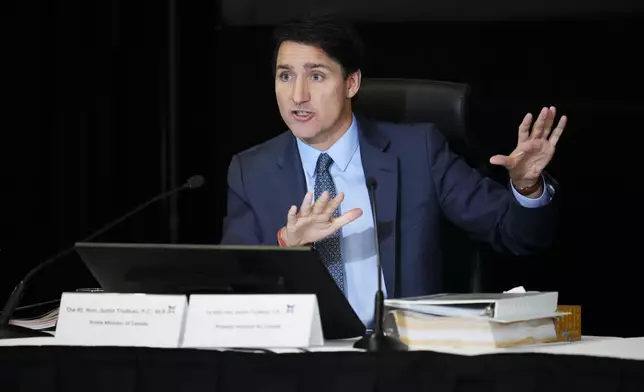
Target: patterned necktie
{"x": 329, "y": 248}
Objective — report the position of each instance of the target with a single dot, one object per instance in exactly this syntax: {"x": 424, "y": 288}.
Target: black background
{"x": 87, "y": 134}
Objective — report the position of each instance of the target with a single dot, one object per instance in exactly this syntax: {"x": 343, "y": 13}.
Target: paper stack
{"x": 43, "y": 322}
{"x": 474, "y": 320}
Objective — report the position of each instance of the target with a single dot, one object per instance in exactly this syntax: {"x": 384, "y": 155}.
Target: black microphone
{"x": 378, "y": 341}
{"x": 10, "y": 331}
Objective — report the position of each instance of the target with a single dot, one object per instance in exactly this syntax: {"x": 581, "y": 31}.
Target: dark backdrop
{"x": 87, "y": 130}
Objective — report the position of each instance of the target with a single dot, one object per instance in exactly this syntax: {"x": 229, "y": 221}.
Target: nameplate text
{"x": 260, "y": 321}
{"x": 112, "y": 319}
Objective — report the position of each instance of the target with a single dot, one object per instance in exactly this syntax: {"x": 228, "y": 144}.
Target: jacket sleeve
{"x": 484, "y": 208}
{"x": 240, "y": 226}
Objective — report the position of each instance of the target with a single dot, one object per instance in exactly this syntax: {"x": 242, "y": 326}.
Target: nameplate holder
{"x": 114, "y": 319}
{"x": 253, "y": 320}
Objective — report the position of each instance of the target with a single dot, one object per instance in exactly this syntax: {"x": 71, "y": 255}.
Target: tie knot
{"x": 324, "y": 162}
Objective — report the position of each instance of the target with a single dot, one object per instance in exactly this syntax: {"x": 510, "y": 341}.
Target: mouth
{"x": 302, "y": 115}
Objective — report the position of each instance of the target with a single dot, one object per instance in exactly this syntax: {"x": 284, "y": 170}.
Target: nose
{"x": 300, "y": 91}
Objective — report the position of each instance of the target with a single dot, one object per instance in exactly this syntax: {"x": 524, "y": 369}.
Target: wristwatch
{"x": 528, "y": 190}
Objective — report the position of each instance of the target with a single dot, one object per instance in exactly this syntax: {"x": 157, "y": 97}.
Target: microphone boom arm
{"x": 12, "y": 303}
{"x": 378, "y": 341}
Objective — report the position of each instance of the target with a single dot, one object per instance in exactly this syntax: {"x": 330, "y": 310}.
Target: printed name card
{"x": 113, "y": 319}
{"x": 261, "y": 321}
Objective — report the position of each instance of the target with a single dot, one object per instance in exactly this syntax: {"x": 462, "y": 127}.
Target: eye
{"x": 317, "y": 77}
{"x": 284, "y": 76}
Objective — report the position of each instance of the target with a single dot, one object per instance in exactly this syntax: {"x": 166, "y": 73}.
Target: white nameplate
{"x": 112, "y": 319}
{"x": 262, "y": 321}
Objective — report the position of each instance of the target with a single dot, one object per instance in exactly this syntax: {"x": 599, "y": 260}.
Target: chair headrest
{"x": 417, "y": 100}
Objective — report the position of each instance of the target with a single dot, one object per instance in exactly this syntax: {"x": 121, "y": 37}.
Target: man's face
{"x": 314, "y": 98}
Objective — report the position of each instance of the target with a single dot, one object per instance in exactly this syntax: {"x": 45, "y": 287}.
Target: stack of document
{"x": 45, "y": 321}
{"x": 474, "y": 320}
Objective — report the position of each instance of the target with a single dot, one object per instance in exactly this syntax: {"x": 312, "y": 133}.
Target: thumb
{"x": 501, "y": 160}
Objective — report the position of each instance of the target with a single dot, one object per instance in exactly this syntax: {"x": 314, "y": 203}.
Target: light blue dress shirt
{"x": 358, "y": 247}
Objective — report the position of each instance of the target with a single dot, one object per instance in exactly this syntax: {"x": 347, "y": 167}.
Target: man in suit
{"x": 307, "y": 186}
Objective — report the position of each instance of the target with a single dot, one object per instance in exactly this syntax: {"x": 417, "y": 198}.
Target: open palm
{"x": 314, "y": 221}
{"x": 534, "y": 149}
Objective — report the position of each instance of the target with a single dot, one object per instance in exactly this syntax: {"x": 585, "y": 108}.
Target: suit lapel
{"x": 290, "y": 181}
{"x": 383, "y": 168}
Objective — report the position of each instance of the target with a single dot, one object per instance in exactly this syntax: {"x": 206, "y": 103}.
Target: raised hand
{"x": 534, "y": 149}
{"x": 314, "y": 221}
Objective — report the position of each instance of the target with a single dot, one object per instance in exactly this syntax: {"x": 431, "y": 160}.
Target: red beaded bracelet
{"x": 280, "y": 240}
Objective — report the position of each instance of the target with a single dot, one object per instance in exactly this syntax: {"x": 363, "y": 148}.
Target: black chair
{"x": 420, "y": 100}
{"x": 445, "y": 105}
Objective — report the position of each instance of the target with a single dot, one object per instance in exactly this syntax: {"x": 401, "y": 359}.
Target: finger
{"x": 524, "y": 128}
{"x": 343, "y": 220}
{"x": 552, "y": 113}
{"x": 537, "y": 129}
{"x": 333, "y": 205}
{"x": 556, "y": 134}
{"x": 320, "y": 203}
{"x": 502, "y": 160}
{"x": 291, "y": 217}
{"x": 305, "y": 208}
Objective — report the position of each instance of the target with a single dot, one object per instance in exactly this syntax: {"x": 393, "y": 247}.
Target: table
{"x": 594, "y": 364}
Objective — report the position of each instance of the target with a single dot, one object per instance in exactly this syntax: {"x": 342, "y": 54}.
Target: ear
{"x": 353, "y": 84}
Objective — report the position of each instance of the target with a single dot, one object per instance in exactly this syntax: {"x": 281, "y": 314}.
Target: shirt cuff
{"x": 541, "y": 201}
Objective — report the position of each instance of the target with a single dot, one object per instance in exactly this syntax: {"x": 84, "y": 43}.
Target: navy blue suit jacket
{"x": 419, "y": 180}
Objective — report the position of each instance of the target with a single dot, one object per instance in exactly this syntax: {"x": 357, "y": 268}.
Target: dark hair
{"x": 335, "y": 36}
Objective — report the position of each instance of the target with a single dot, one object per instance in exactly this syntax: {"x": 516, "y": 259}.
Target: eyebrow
{"x": 308, "y": 66}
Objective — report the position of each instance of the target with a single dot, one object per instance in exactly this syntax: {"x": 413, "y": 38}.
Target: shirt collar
{"x": 341, "y": 151}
